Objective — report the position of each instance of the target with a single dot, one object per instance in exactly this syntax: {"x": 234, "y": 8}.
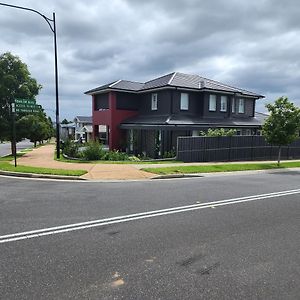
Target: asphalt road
{"x": 243, "y": 250}
{"x": 5, "y": 148}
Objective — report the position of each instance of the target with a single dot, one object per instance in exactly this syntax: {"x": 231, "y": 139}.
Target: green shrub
{"x": 115, "y": 155}
{"x": 143, "y": 156}
{"x": 93, "y": 151}
{"x": 71, "y": 148}
{"x": 133, "y": 158}
{"x": 213, "y": 132}
{"x": 169, "y": 154}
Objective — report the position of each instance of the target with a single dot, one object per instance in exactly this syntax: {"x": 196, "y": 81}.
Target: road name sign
{"x": 24, "y": 101}
{"x": 27, "y": 110}
{"x": 27, "y": 106}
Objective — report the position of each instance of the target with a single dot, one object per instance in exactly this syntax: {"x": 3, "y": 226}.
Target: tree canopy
{"x": 65, "y": 121}
{"x": 282, "y": 126}
{"x": 15, "y": 82}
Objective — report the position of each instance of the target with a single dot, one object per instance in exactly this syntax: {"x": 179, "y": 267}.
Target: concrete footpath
{"x": 44, "y": 157}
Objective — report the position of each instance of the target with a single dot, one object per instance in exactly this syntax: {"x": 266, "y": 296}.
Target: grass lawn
{"x": 220, "y": 168}
{"x": 5, "y": 165}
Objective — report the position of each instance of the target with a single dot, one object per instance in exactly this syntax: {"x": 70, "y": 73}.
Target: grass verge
{"x": 221, "y": 168}
{"x": 5, "y": 165}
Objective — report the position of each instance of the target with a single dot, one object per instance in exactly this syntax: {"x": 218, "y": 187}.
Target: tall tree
{"x": 282, "y": 126}
{"x": 15, "y": 82}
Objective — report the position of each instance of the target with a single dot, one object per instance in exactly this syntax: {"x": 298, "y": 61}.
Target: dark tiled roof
{"x": 198, "y": 82}
{"x": 127, "y": 85}
{"x": 158, "y": 82}
{"x": 99, "y": 88}
{"x": 175, "y": 79}
{"x": 84, "y": 119}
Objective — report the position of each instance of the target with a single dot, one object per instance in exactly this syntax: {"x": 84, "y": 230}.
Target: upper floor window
{"x": 223, "y": 103}
{"x": 241, "y": 106}
{"x": 233, "y": 105}
{"x": 184, "y": 101}
{"x": 212, "y": 103}
{"x": 154, "y": 101}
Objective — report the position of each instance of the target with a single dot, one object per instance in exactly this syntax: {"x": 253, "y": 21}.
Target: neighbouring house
{"x": 67, "y": 131}
{"x": 83, "y": 128}
{"x": 148, "y": 117}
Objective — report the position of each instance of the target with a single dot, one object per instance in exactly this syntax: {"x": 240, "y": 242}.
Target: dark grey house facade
{"x": 148, "y": 117}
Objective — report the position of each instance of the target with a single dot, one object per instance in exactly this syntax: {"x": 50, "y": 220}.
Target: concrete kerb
{"x": 45, "y": 176}
{"x": 159, "y": 177}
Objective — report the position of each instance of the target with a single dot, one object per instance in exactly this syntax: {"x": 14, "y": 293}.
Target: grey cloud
{"x": 249, "y": 44}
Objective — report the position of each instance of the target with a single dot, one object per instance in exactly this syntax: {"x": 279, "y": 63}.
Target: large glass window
{"x": 223, "y": 103}
{"x": 212, "y": 103}
{"x": 184, "y": 101}
{"x": 233, "y": 105}
{"x": 241, "y": 106}
{"x": 154, "y": 101}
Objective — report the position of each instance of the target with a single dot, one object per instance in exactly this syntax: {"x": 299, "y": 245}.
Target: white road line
{"x": 131, "y": 217}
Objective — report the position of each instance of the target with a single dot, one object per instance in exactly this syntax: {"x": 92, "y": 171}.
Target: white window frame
{"x": 233, "y": 105}
{"x": 241, "y": 106}
{"x": 224, "y": 102}
{"x": 154, "y": 101}
{"x": 212, "y": 105}
{"x": 184, "y": 101}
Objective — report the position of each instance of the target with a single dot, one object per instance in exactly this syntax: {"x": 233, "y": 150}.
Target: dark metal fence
{"x": 234, "y": 148}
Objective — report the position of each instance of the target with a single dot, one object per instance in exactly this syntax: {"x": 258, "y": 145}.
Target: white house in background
{"x": 83, "y": 128}
{"x": 67, "y": 131}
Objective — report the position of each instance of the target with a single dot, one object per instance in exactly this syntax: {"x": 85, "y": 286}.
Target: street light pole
{"x": 56, "y": 91}
{"x": 53, "y": 29}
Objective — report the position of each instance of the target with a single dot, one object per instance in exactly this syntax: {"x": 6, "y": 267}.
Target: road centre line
{"x": 131, "y": 217}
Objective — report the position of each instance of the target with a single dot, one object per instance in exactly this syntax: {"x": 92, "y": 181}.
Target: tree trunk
{"x": 279, "y": 156}
{"x": 34, "y": 144}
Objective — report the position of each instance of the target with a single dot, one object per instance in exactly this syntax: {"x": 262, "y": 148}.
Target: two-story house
{"x": 83, "y": 128}
{"x": 148, "y": 117}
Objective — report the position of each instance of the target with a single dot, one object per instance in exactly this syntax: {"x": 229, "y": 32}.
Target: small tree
{"x": 65, "y": 121}
{"x": 282, "y": 126}
{"x": 35, "y": 127}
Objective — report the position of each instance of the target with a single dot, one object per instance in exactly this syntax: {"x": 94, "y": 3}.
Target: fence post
{"x": 177, "y": 142}
{"x": 252, "y": 147}
{"x": 230, "y": 145}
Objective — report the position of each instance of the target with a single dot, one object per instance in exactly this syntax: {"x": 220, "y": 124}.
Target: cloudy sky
{"x": 248, "y": 44}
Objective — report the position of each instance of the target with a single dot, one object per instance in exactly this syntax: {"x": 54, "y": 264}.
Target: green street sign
{"x": 27, "y": 106}
{"x": 27, "y": 110}
{"x": 19, "y": 105}
{"x": 25, "y": 101}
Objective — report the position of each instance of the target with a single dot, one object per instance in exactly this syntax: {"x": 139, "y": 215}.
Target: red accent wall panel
{"x": 112, "y": 117}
